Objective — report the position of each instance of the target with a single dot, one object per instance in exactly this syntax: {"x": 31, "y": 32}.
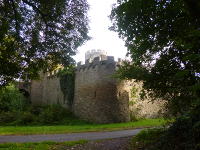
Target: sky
{"x": 102, "y": 37}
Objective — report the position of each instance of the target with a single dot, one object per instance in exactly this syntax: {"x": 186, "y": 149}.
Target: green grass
{"x": 84, "y": 127}
{"x": 146, "y": 138}
{"x": 40, "y": 146}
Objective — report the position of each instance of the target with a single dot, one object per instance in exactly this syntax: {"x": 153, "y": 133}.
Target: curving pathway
{"x": 68, "y": 137}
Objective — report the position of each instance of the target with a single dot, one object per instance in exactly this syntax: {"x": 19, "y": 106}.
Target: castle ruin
{"x": 98, "y": 96}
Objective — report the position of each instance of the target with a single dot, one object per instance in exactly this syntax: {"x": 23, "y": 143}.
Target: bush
{"x": 7, "y": 117}
{"x": 39, "y": 115}
{"x": 146, "y": 138}
{"x": 15, "y": 111}
{"x": 36, "y": 109}
{"x": 25, "y": 118}
{"x": 11, "y": 99}
{"x": 183, "y": 134}
{"x": 53, "y": 114}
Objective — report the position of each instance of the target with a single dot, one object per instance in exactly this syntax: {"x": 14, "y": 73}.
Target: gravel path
{"x": 68, "y": 137}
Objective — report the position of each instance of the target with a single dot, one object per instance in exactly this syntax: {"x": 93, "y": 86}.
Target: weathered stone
{"x": 47, "y": 90}
{"x": 98, "y": 96}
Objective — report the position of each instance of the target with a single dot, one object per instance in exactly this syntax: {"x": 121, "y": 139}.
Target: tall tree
{"x": 163, "y": 41}
{"x": 38, "y": 34}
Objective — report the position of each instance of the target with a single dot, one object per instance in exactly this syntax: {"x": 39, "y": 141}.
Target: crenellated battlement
{"x": 97, "y": 59}
{"x": 100, "y": 62}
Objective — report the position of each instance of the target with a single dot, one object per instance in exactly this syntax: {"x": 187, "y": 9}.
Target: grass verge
{"x": 24, "y": 130}
{"x": 146, "y": 138}
{"x": 41, "y": 145}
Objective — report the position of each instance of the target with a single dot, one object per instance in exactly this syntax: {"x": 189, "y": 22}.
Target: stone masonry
{"x": 98, "y": 96}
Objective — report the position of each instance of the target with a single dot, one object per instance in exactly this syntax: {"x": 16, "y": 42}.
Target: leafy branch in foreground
{"x": 38, "y": 34}
{"x": 162, "y": 38}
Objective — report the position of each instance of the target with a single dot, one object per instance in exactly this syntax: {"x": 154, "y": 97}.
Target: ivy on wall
{"x": 134, "y": 95}
{"x": 67, "y": 83}
{"x": 134, "y": 98}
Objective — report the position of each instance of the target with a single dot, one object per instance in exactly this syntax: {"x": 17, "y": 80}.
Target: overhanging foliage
{"x": 163, "y": 40}
{"x": 39, "y": 34}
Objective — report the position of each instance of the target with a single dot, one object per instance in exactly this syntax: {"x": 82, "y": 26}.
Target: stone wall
{"x": 37, "y": 92}
{"x": 138, "y": 107}
{"x": 47, "y": 90}
{"x": 96, "y": 98}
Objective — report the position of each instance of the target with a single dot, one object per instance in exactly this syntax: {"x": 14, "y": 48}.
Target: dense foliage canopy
{"x": 163, "y": 41}
{"x": 38, "y": 34}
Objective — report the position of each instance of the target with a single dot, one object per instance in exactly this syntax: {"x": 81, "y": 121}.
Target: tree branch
{"x": 36, "y": 9}
{"x": 17, "y": 25}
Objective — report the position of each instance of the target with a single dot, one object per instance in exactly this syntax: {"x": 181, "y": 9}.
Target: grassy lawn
{"x": 84, "y": 127}
{"x": 40, "y": 146}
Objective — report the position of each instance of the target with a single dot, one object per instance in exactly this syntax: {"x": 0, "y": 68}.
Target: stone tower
{"x": 98, "y": 97}
{"x": 91, "y": 54}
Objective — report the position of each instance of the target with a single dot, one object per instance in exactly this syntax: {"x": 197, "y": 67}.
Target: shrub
{"x": 146, "y": 138}
{"x": 183, "y": 134}
{"x": 36, "y": 109}
{"x": 14, "y": 110}
{"x": 53, "y": 114}
{"x": 25, "y": 118}
{"x": 11, "y": 99}
{"x": 7, "y": 117}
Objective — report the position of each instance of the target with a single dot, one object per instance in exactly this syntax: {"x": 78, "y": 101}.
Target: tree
{"x": 39, "y": 34}
{"x": 163, "y": 41}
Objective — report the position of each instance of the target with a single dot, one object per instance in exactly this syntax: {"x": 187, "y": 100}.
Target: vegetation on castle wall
{"x": 134, "y": 91}
{"x": 134, "y": 97}
{"x": 67, "y": 83}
